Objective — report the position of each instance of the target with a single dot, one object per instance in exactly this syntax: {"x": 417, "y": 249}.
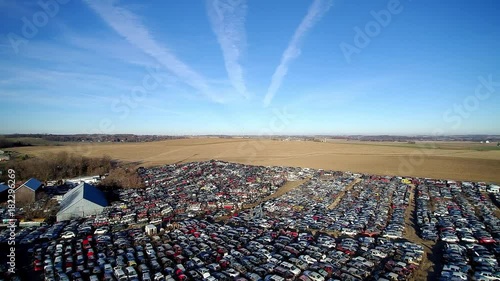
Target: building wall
{"x": 4, "y": 196}
{"x": 82, "y": 208}
{"x": 25, "y": 196}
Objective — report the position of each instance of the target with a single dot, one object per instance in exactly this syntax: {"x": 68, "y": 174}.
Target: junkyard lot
{"x": 432, "y": 263}
{"x": 457, "y": 160}
{"x": 317, "y": 195}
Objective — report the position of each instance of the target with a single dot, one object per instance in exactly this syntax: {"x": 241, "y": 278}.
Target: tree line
{"x": 63, "y": 165}
{"x": 57, "y": 166}
{"x": 8, "y": 143}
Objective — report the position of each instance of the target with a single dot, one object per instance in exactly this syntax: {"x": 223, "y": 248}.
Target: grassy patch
{"x": 487, "y": 148}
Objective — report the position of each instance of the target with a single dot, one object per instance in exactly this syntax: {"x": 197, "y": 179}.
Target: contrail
{"x": 315, "y": 13}
{"x": 228, "y": 23}
{"x": 129, "y": 26}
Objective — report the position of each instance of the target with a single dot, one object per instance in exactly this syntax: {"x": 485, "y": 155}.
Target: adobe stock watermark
{"x": 363, "y": 36}
{"x": 31, "y": 26}
{"x": 280, "y": 120}
{"x": 454, "y": 117}
{"x": 11, "y": 210}
{"x": 125, "y": 104}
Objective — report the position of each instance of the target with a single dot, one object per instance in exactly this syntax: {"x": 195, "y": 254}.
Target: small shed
{"x": 29, "y": 192}
{"x": 150, "y": 229}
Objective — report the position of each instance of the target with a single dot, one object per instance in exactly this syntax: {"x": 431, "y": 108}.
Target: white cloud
{"x": 129, "y": 26}
{"x": 316, "y": 11}
{"x": 113, "y": 48}
{"x": 228, "y": 23}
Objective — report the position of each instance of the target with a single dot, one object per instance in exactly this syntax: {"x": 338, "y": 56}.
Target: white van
{"x": 493, "y": 189}
{"x": 452, "y": 268}
{"x": 131, "y": 273}
{"x": 120, "y": 274}
{"x": 290, "y": 267}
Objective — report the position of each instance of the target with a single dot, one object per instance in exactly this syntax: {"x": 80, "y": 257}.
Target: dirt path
{"x": 287, "y": 187}
{"x": 341, "y": 194}
{"x": 427, "y": 268}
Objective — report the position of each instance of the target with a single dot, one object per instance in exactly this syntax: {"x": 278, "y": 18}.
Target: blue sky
{"x": 250, "y": 67}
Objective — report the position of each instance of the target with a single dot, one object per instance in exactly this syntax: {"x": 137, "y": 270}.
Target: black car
{"x": 221, "y": 276}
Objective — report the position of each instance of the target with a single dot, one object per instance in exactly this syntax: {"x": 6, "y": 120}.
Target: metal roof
{"x": 83, "y": 191}
{"x": 3, "y": 187}
{"x": 33, "y": 184}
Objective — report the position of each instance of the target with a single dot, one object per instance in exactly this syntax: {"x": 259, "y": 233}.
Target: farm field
{"x": 446, "y": 160}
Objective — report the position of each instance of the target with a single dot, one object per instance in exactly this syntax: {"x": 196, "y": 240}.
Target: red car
{"x": 223, "y": 263}
{"x": 37, "y": 266}
{"x": 486, "y": 240}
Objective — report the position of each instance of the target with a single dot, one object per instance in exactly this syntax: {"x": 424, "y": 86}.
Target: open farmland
{"x": 449, "y": 160}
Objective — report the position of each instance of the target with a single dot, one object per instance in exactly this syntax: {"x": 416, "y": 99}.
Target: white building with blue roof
{"x": 82, "y": 201}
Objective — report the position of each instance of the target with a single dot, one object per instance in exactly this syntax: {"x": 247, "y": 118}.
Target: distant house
{"x": 82, "y": 201}
{"x": 3, "y": 156}
{"x": 29, "y": 192}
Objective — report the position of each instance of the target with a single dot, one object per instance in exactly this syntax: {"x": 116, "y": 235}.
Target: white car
{"x": 469, "y": 239}
{"x": 314, "y": 276}
{"x": 378, "y": 253}
{"x": 131, "y": 273}
{"x": 292, "y": 268}
{"x": 349, "y": 232}
{"x": 119, "y": 274}
{"x": 308, "y": 259}
{"x": 232, "y": 273}
{"x": 204, "y": 272}
{"x": 101, "y": 231}
{"x": 391, "y": 235}
{"x": 455, "y": 275}
{"x": 159, "y": 277}
{"x": 329, "y": 244}
{"x": 450, "y": 238}
{"x": 68, "y": 235}
{"x": 484, "y": 275}
{"x": 108, "y": 268}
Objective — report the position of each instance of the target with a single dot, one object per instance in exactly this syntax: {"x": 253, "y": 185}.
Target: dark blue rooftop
{"x": 83, "y": 191}
{"x": 94, "y": 195}
{"x": 3, "y": 187}
{"x": 33, "y": 184}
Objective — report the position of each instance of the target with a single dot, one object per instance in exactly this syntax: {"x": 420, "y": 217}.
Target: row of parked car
{"x": 211, "y": 187}
{"x": 373, "y": 207}
{"x": 462, "y": 218}
{"x": 199, "y": 250}
{"x": 305, "y": 207}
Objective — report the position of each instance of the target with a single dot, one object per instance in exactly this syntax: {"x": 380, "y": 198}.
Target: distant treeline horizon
{"x": 19, "y": 140}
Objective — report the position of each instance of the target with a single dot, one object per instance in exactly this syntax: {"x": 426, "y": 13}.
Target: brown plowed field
{"x": 447, "y": 160}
